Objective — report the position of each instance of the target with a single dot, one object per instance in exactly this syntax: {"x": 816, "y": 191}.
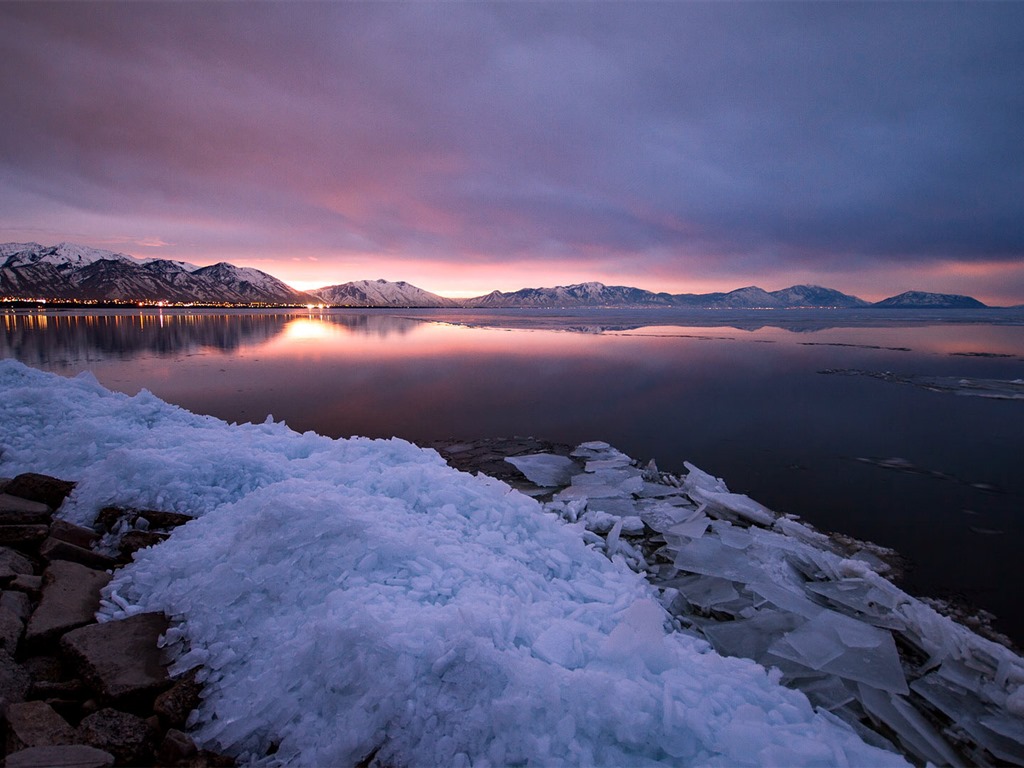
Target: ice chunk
{"x": 874, "y": 604}
{"x": 786, "y": 599}
{"x": 618, "y": 506}
{"x": 547, "y": 470}
{"x": 748, "y": 638}
{"x": 842, "y": 646}
{"x": 706, "y": 592}
{"x": 909, "y": 725}
{"x": 828, "y": 692}
{"x": 691, "y": 528}
{"x": 710, "y": 557}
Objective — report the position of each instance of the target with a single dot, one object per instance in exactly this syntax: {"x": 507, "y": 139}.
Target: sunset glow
{"x": 679, "y": 147}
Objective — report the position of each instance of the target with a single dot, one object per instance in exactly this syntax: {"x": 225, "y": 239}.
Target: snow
{"x": 349, "y": 595}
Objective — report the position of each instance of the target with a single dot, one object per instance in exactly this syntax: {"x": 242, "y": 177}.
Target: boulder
{"x": 129, "y": 738}
{"x": 68, "y": 756}
{"x": 73, "y": 534}
{"x": 17, "y": 603}
{"x": 54, "y": 549}
{"x": 15, "y": 510}
{"x": 36, "y": 724}
{"x": 176, "y": 703}
{"x": 28, "y": 583}
{"x": 42, "y": 488}
{"x": 23, "y": 536}
{"x": 120, "y": 660}
{"x": 14, "y": 681}
{"x": 71, "y": 597}
{"x": 133, "y": 541}
{"x": 12, "y": 627}
{"x": 13, "y": 563}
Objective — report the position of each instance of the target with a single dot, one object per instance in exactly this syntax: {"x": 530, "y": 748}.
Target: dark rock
{"x": 13, "y": 563}
{"x": 133, "y": 541}
{"x": 23, "y": 536}
{"x": 73, "y": 534}
{"x": 15, "y": 510}
{"x": 12, "y": 627}
{"x": 54, "y": 549}
{"x": 68, "y": 756}
{"x": 42, "y": 488}
{"x": 71, "y": 597}
{"x": 65, "y": 690}
{"x": 14, "y": 681}
{"x": 175, "y": 704}
{"x": 158, "y": 519}
{"x": 36, "y": 724}
{"x": 129, "y": 738}
{"x": 108, "y": 517}
{"x": 120, "y": 660}
{"x": 177, "y": 748}
{"x": 28, "y": 583}
{"x": 17, "y": 603}
{"x": 43, "y": 668}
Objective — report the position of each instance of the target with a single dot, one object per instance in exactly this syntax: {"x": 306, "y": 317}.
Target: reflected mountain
{"x": 68, "y": 338}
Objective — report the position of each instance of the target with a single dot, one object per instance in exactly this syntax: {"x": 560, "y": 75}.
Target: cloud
{"x": 762, "y": 137}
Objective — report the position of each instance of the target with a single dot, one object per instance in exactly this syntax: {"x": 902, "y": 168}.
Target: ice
{"x": 711, "y": 558}
{"x": 749, "y": 638}
{"x": 828, "y": 692}
{"x": 706, "y": 592}
{"x": 847, "y": 648}
{"x": 909, "y": 725}
{"x": 875, "y": 605}
{"x": 440, "y": 618}
{"x": 547, "y": 470}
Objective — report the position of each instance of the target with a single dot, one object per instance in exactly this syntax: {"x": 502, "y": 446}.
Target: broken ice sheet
{"x": 748, "y": 638}
{"x": 842, "y": 646}
{"x": 547, "y": 470}
{"x": 861, "y": 597}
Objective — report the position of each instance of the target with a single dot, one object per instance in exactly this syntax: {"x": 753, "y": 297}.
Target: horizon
{"x": 679, "y": 148}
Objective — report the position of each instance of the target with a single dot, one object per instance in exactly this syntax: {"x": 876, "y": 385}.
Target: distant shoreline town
{"x": 74, "y": 275}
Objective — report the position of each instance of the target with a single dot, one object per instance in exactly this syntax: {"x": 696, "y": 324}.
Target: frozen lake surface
{"x": 882, "y": 425}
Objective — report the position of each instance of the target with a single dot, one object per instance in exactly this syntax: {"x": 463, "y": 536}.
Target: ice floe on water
{"x": 995, "y": 389}
{"x": 348, "y": 598}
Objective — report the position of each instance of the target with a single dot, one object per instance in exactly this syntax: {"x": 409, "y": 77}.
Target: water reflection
{"x": 747, "y": 405}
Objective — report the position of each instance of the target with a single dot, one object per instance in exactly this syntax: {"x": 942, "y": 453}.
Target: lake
{"x": 861, "y": 421}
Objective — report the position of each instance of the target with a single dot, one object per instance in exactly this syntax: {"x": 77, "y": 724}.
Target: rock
{"x": 17, "y": 603}
{"x": 133, "y": 541}
{"x": 12, "y": 627}
{"x": 120, "y": 660}
{"x": 36, "y": 724}
{"x": 175, "y": 704}
{"x": 69, "y": 756}
{"x": 54, "y": 549}
{"x": 28, "y": 583}
{"x": 13, "y": 563}
{"x": 15, "y": 510}
{"x": 158, "y": 519}
{"x": 73, "y": 534}
{"x": 71, "y": 597}
{"x": 177, "y": 748}
{"x": 14, "y": 681}
{"x": 108, "y": 517}
{"x": 43, "y": 668}
{"x": 129, "y": 738}
{"x": 42, "y": 488}
{"x": 23, "y": 536}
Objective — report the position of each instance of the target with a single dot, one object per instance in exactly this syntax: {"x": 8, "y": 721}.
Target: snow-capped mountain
{"x": 581, "y": 295}
{"x": 598, "y": 295}
{"x": 924, "y": 300}
{"x": 381, "y": 293}
{"x": 68, "y": 271}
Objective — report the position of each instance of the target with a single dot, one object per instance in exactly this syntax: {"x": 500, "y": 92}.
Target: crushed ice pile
{"x": 356, "y": 598}
{"x": 770, "y": 588}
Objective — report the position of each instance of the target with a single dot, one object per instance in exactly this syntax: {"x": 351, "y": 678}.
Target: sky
{"x": 471, "y": 146}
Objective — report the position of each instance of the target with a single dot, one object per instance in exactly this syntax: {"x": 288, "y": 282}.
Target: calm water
{"x": 733, "y": 393}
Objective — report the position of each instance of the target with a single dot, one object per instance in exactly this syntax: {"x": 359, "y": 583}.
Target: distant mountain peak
{"x": 925, "y": 300}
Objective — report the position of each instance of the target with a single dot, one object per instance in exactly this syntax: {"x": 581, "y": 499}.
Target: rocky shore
{"x": 74, "y": 692}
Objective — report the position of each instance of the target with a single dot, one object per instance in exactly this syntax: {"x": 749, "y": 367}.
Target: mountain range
{"x": 74, "y": 272}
